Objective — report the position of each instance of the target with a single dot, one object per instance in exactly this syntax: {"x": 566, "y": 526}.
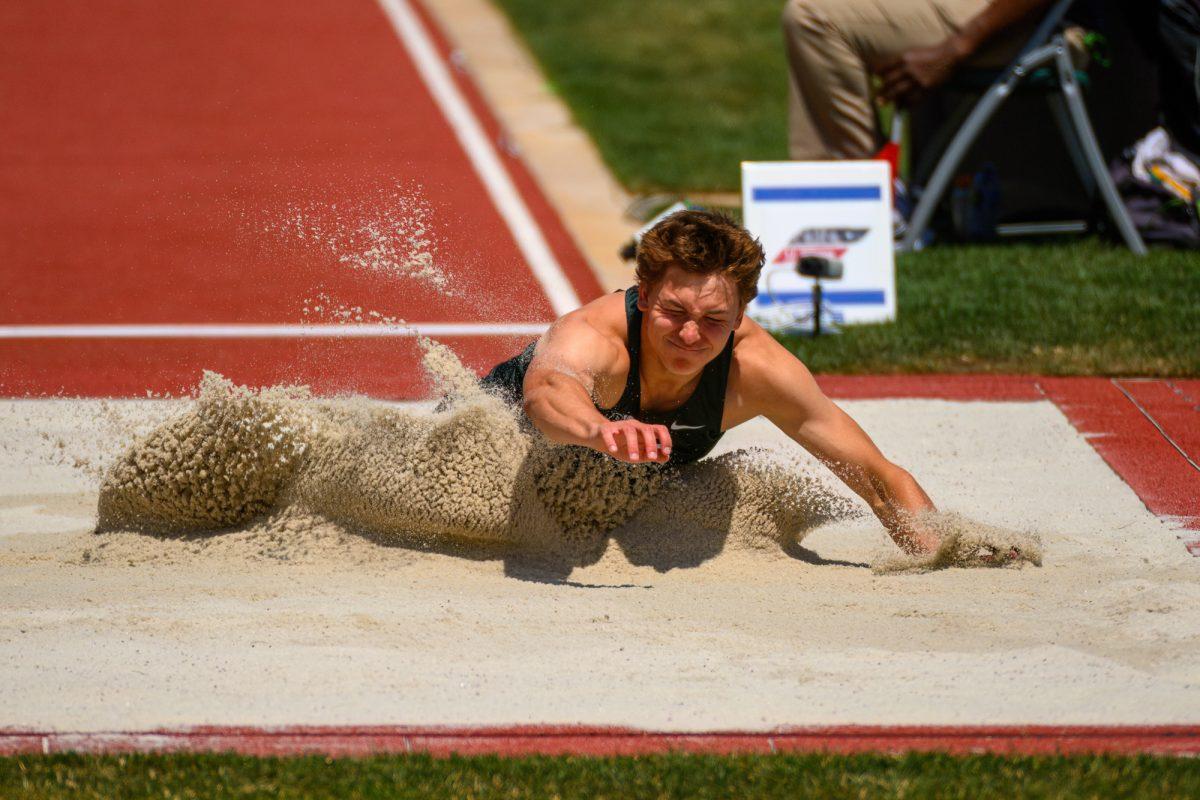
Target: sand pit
{"x": 329, "y": 601}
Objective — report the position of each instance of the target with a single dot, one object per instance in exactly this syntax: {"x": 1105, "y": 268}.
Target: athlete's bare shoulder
{"x": 589, "y": 345}
{"x": 598, "y": 328}
{"x": 755, "y": 350}
{"x": 760, "y": 365}
{"x": 605, "y": 315}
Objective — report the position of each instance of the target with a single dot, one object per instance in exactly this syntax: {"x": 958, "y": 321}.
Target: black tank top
{"x": 695, "y": 426}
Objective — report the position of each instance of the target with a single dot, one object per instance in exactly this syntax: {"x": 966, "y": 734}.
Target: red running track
{"x": 588, "y": 741}
{"x": 154, "y": 152}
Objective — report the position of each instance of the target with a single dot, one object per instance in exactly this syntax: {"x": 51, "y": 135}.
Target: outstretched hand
{"x": 913, "y": 73}
{"x": 634, "y": 442}
{"x": 999, "y": 556}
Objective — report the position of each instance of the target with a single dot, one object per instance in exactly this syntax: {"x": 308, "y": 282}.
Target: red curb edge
{"x": 601, "y": 741}
{"x": 1145, "y": 431}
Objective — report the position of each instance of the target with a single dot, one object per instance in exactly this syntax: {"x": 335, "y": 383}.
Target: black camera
{"x": 820, "y": 267}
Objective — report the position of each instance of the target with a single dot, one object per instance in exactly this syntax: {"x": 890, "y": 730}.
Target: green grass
{"x": 675, "y": 94}
{"x": 1070, "y": 309}
{"x": 800, "y": 776}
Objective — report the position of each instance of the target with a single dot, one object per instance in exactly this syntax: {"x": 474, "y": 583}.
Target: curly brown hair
{"x": 703, "y": 242}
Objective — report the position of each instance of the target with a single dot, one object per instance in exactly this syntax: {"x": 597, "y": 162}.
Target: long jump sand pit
{"x": 673, "y": 623}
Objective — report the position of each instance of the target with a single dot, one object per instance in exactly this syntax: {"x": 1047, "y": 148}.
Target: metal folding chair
{"x": 1047, "y": 56}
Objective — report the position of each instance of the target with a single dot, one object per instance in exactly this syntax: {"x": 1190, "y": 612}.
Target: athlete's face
{"x": 689, "y": 318}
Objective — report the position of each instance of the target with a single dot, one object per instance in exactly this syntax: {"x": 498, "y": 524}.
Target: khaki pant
{"x": 832, "y": 47}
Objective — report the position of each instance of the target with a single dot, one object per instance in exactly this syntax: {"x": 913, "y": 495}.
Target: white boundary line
{"x": 482, "y": 155}
{"x": 250, "y": 331}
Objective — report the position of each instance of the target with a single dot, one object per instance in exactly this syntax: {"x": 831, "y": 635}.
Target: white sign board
{"x": 837, "y": 209}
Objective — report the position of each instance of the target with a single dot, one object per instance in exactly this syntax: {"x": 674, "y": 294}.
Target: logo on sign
{"x": 827, "y": 242}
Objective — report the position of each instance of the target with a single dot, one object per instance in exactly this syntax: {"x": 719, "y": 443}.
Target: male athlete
{"x": 659, "y": 372}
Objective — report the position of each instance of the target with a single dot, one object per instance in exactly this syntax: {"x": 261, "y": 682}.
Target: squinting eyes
{"x": 675, "y": 312}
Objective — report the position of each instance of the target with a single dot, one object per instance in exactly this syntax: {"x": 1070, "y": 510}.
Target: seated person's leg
{"x": 832, "y": 46}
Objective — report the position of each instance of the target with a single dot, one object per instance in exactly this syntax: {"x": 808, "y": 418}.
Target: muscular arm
{"x": 915, "y": 71}
{"x": 789, "y": 397}
{"x": 561, "y": 379}
{"x": 561, "y": 386}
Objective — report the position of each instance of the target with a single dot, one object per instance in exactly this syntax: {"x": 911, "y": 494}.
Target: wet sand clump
{"x": 220, "y": 464}
{"x": 391, "y": 473}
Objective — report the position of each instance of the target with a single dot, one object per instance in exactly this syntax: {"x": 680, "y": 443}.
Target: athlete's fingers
{"x": 650, "y": 441}
{"x": 655, "y": 432}
{"x": 609, "y": 440}
{"x": 632, "y": 446}
{"x": 664, "y": 438}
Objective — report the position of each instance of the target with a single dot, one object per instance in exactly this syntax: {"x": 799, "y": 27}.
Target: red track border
{"x": 602, "y": 741}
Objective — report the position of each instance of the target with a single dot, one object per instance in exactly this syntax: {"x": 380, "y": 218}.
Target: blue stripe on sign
{"x": 863, "y": 297}
{"x": 806, "y": 193}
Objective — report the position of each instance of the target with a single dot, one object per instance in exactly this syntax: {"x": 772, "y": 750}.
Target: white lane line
{"x": 482, "y": 155}
{"x": 251, "y": 331}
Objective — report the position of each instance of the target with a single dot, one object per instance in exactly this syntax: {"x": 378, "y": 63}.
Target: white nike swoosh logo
{"x": 675, "y": 426}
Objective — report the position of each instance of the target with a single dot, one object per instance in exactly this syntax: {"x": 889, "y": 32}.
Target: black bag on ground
{"x": 1159, "y": 216}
